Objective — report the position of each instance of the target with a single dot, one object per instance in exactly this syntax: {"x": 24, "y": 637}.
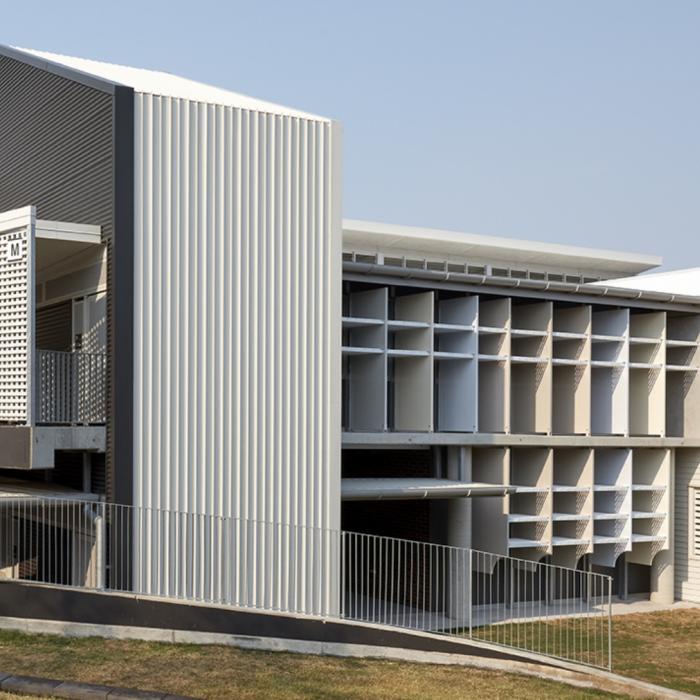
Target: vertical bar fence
{"x": 514, "y": 603}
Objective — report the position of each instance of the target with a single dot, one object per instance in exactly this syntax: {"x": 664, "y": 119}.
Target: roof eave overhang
{"x": 393, "y": 239}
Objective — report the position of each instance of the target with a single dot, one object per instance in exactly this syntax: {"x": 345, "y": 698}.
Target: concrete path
{"x": 636, "y": 604}
{"x": 370, "y": 610}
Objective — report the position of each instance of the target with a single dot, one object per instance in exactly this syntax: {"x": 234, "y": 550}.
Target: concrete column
{"x": 438, "y": 467}
{"x": 459, "y": 534}
{"x": 459, "y": 510}
{"x": 8, "y": 563}
{"x": 621, "y": 575}
{"x": 100, "y": 541}
{"x": 87, "y": 551}
{"x": 662, "y": 578}
{"x": 82, "y": 553}
{"x": 87, "y": 472}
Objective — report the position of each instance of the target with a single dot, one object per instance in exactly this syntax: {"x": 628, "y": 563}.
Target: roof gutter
{"x": 597, "y": 289}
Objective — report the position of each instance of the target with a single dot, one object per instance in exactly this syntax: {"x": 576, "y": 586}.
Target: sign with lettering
{"x": 15, "y": 250}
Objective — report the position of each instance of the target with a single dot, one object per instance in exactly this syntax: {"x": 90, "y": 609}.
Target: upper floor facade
{"x": 454, "y": 333}
{"x": 52, "y": 339}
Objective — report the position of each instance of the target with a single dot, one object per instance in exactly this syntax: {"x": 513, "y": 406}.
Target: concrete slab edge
{"x": 570, "y": 674}
{"x": 73, "y": 690}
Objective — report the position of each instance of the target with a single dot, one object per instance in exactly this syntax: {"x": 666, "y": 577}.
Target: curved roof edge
{"x": 685, "y": 281}
{"x": 386, "y": 237}
{"x": 107, "y": 75}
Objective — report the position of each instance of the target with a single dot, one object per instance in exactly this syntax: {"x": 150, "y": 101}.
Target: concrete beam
{"x": 46, "y": 440}
{"x": 357, "y": 440}
{"x": 404, "y": 489}
{"x": 22, "y": 447}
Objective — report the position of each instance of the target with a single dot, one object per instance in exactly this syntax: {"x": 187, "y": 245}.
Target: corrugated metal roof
{"x": 388, "y": 238}
{"x": 165, "y": 84}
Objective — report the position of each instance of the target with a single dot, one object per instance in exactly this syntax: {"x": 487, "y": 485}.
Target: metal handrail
{"x": 70, "y": 388}
{"x": 245, "y": 563}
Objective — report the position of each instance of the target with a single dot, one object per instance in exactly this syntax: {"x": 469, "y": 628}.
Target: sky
{"x": 553, "y": 120}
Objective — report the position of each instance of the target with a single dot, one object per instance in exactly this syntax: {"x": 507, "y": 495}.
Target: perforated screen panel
{"x": 15, "y": 319}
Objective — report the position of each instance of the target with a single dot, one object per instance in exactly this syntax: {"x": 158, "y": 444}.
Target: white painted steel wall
{"x": 237, "y": 315}
{"x": 687, "y": 562}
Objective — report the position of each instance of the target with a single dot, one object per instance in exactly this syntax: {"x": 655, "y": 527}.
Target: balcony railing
{"x": 70, "y": 388}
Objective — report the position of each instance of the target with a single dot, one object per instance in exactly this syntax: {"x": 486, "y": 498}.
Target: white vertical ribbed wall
{"x": 687, "y": 562}
{"x": 237, "y": 258}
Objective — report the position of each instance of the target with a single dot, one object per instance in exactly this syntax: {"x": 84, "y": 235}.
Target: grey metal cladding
{"x": 56, "y": 146}
{"x": 53, "y": 329}
{"x": 66, "y": 146}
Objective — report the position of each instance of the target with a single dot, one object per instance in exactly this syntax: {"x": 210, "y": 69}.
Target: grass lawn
{"x": 662, "y": 648}
{"x": 225, "y": 672}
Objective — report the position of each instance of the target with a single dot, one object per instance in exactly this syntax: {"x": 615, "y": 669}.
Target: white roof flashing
{"x": 380, "y": 237}
{"x": 165, "y": 84}
{"x": 685, "y": 282}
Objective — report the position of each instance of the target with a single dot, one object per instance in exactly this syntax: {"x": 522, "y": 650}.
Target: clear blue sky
{"x": 576, "y": 122}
